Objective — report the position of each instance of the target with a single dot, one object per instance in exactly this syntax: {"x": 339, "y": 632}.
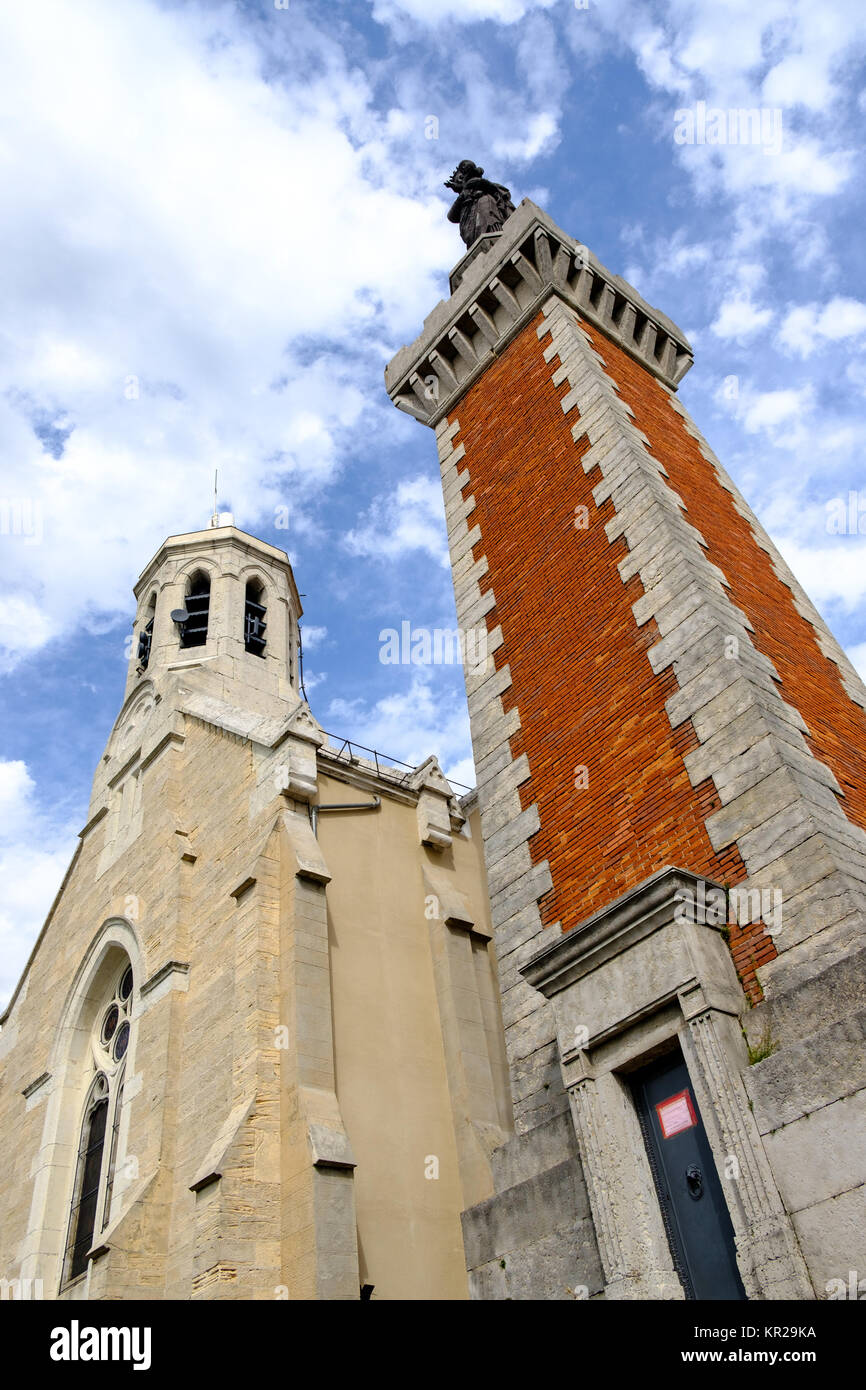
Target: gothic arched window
{"x": 254, "y": 618}
{"x": 193, "y": 633}
{"x": 97, "y": 1147}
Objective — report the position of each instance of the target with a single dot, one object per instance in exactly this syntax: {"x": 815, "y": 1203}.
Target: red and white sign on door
{"x": 676, "y": 1114}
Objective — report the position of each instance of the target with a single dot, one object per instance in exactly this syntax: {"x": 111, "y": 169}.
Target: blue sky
{"x": 219, "y": 223}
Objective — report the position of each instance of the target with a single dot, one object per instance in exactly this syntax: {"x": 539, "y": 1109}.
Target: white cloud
{"x": 767, "y": 410}
{"x": 30, "y": 872}
{"x": 176, "y": 304}
{"x": 780, "y": 55}
{"x": 410, "y": 519}
{"x": 24, "y": 628}
{"x": 436, "y": 12}
{"x": 314, "y": 636}
{"x": 542, "y": 132}
{"x": 685, "y": 258}
{"x": 809, "y": 327}
{"x": 798, "y": 81}
{"x": 16, "y": 785}
{"x": 834, "y": 573}
{"x": 857, "y": 657}
{"x": 740, "y": 318}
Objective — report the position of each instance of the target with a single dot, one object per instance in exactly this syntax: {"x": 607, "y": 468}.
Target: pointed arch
{"x": 104, "y": 1048}
{"x": 82, "y": 1049}
{"x": 117, "y": 937}
{"x": 255, "y": 616}
{"x": 145, "y": 634}
{"x": 194, "y": 631}
{"x": 88, "y": 1176}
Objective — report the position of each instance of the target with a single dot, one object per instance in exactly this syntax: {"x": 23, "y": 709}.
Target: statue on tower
{"x": 480, "y": 206}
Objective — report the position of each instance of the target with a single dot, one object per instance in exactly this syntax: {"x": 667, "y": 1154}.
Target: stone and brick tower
{"x": 666, "y": 720}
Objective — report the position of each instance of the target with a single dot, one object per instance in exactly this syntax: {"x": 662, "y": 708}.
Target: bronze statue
{"x": 480, "y": 206}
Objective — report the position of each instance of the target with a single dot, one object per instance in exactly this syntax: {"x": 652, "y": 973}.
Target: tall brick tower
{"x": 670, "y": 749}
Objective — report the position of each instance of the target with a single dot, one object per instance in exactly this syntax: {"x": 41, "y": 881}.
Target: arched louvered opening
{"x": 145, "y": 634}
{"x": 193, "y": 632}
{"x": 254, "y": 618}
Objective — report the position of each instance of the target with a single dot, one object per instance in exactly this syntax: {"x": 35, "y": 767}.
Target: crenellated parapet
{"x": 499, "y": 285}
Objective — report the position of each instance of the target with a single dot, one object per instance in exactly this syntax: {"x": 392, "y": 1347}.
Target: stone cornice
{"x": 165, "y": 972}
{"x": 498, "y": 289}
{"x": 213, "y": 539}
{"x": 616, "y": 928}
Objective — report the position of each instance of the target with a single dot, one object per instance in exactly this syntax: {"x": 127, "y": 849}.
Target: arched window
{"x": 254, "y": 618}
{"x": 97, "y": 1147}
{"x": 193, "y": 632}
{"x": 145, "y": 635}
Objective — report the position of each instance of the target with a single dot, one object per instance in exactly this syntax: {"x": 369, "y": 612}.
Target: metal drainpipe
{"x": 316, "y": 811}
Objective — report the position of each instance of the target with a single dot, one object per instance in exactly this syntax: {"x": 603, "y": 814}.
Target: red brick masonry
{"x": 809, "y": 681}
{"x": 586, "y": 692}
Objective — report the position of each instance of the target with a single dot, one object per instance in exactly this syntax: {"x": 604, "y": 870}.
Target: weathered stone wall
{"x": 809, "y": 1103}
{"x": 535, "y": 1238}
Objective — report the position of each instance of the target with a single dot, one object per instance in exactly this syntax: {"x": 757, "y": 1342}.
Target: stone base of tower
{"x": 535, "y": 1238}
{"x": 645, "y": 977}
{"x": 808, "y": 1099}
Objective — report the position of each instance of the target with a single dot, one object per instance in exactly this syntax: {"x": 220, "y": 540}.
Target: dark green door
{"x": 689, "y": 1190}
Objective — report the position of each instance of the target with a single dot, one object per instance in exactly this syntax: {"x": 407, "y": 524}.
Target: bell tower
{"x": 671, "y": 765}
{"x": 215, "y": 638}
{"x": 222, "y": 607}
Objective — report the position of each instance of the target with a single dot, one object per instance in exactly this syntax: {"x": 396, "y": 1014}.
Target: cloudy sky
{"x": 220, "y": 221}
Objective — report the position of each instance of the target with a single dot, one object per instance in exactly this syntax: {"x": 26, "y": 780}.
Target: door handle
{"x": 695, "y": 1182}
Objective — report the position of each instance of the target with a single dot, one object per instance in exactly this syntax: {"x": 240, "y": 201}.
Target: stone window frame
{"x": 282, "y": 631}
{"x": 145, "y": 632}
{"x": 115, "y": 946}
{"x": 107, "y": 1082}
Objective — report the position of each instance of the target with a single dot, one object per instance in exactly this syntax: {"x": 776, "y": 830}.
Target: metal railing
{"x": 387, "y": 763}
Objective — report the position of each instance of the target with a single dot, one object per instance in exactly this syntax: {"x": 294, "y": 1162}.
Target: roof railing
{"x": 348, "y": 746}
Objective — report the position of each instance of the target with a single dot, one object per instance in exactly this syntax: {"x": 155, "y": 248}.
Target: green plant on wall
{"x": 763, "y": 1048}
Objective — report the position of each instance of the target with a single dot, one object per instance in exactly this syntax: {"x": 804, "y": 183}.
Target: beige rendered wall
{"x": 408, "y": 1024}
